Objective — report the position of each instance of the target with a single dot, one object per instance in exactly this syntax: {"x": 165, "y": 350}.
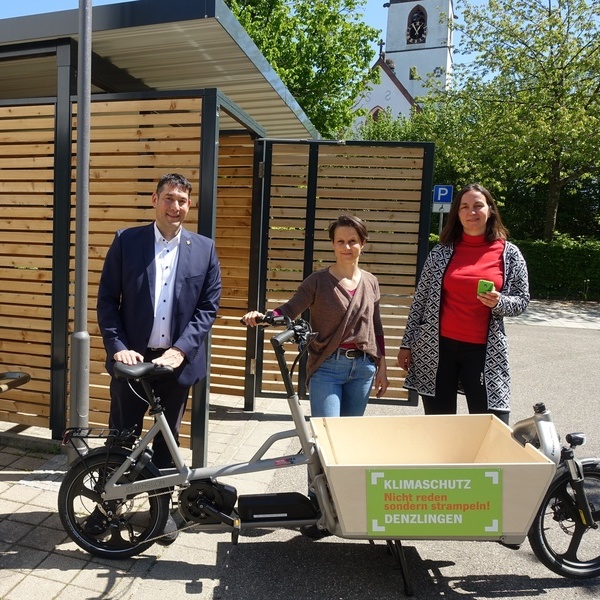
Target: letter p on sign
{"x": 442, "y": 198}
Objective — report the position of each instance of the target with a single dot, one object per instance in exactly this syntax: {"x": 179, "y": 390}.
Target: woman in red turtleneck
{"x": 454, "y": 339}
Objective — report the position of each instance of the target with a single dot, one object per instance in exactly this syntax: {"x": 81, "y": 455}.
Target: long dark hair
{"x": 494, "y": 228}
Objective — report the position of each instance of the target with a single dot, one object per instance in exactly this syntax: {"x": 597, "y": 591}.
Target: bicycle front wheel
{"x": 114, "y": 528}
{"x": 558, "y": 537}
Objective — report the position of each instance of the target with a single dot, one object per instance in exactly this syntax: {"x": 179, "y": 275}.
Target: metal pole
{"x": 80, "y": 342}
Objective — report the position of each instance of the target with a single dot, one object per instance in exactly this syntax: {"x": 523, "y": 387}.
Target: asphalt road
{"x": 560, "y": 366}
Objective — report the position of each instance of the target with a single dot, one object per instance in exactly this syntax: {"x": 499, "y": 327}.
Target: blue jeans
{"x": 340, "y": 387}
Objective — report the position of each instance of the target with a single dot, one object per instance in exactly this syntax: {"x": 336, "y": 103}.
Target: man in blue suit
{"x": 158, "y": 298}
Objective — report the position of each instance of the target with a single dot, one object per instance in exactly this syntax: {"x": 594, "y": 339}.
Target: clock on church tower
{"x": 419, "y": 41}
{"x": 417, "y": 28}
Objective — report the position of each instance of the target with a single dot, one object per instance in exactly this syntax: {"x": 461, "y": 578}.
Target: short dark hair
{"x": 174, "y": 180}
{"x": 349, "y": 221}
{"x": 494, "y": 228}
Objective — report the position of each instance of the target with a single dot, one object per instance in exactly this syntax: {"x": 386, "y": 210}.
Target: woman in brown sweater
{"x": 348, "y": 354}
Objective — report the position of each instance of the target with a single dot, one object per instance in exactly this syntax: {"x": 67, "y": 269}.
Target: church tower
{"x": 419, "y": 41}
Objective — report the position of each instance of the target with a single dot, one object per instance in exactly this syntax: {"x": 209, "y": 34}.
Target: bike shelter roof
{"x": 159, "y": 45}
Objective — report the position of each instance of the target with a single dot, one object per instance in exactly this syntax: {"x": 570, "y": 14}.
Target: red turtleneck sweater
{"x": 464, "y": 317}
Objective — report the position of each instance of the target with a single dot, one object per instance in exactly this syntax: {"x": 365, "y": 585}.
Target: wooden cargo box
{"x": 431, "y": 477}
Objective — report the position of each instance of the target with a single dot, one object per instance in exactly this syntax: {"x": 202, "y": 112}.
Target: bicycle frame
{"x": 540, "y": 431}
{"x": 181, "y": 474}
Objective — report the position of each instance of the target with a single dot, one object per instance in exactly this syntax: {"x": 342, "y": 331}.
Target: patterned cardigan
{"x": 421, "y": 335}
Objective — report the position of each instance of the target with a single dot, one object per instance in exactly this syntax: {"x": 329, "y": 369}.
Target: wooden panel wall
{"x": 234, "y": 210}
{"x": 133, "y": 143}
{"x": 26, "y": 203}
{"x": 380, "y": 184}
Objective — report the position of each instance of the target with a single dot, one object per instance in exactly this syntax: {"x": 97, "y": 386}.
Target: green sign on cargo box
{"x": 434, "y": 502}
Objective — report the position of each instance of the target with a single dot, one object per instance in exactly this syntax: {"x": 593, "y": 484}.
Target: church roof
{"x": 391, "y": 74}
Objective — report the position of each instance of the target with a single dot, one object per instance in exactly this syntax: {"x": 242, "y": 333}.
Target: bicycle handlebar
{"x": 298, "y": 330}
{"x": 283, "y": 337}
{"x": 12, "y": 379}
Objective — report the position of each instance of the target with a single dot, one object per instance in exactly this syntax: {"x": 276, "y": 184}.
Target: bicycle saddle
{"x": 143, "y": 370}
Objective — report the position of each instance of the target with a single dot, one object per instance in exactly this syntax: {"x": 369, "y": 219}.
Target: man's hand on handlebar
{"x": 172, "y": 357}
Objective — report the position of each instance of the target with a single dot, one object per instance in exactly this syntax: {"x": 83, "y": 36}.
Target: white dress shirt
{"x": 166, "y": 254}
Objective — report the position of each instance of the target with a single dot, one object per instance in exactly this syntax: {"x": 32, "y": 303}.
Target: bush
{"x": 563, "y": 269}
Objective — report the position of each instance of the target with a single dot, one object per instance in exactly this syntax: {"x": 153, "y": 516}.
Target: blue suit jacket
{"x": 126, "y": 297}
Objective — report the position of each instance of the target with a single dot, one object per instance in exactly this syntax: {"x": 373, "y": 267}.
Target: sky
{"x": 374, "y": 13}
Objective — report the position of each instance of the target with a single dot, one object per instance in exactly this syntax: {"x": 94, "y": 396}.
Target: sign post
{"x": 442, "y": 199}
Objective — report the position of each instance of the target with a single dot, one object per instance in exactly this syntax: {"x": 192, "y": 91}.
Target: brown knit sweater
{"x": 337, "y": 316}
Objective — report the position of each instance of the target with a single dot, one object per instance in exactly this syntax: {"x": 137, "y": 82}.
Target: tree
{"x": 522, "y": 115}
{"x": 458, "y": 162}
{"x": 533, "y": 86}
{"x": 445, "y": 124}
{"x": 321, "y": 50}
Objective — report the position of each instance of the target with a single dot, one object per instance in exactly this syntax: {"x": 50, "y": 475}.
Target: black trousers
{"x": 127, "y": 409}
{"x": 460, "y": 362}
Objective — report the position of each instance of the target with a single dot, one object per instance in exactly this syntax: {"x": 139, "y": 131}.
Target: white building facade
{"x": 418, "y": 45}
{"x": 419, "y": 42}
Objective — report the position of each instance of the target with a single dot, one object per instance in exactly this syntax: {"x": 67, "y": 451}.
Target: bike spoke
{"x": 90, "y": 495}
{"x": 118, "y": 539}
{"x": 567, "y": 504}
{"x": 578, "y": 532}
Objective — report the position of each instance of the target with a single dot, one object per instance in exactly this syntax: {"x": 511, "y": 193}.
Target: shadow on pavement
{"x": 299, "y": 569}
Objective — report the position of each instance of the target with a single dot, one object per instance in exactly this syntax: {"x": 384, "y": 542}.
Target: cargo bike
{"x": 460, "y": 477}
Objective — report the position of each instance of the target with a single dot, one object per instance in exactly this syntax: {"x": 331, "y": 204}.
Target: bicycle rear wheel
{"x": 558, "y": 537}
{"x": 114, "y": 528}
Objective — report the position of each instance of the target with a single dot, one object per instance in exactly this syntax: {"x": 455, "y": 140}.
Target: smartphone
{"x": 483, "y": 286}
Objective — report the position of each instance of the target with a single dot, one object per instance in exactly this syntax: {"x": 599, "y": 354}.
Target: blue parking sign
{"x": 442, "y": 194}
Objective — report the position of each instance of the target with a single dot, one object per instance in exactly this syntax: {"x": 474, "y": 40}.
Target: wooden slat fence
{"x": 26, "y": 202}
{"x": 166, "y": 138}
{"x": 234, "y": 210}
{"x": 132, "y": 143}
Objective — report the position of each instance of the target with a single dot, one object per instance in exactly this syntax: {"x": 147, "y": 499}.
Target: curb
{"x": 30, "y": 443}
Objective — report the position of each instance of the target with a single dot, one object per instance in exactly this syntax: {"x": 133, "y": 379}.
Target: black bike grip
{"x": 273, "y": 320}
{"x": 283, "y": 337}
